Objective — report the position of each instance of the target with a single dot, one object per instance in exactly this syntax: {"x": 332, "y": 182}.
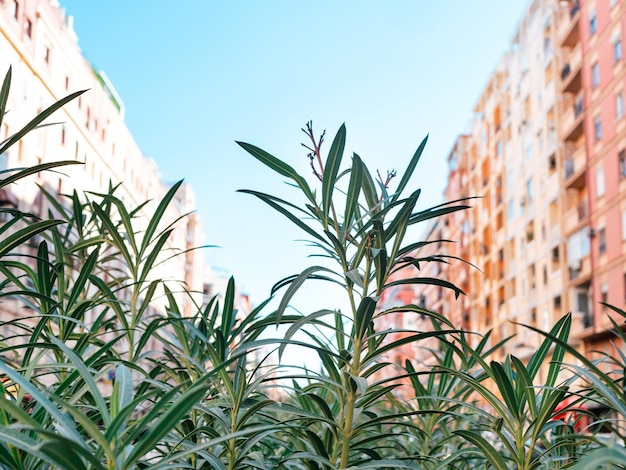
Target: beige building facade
{"x": 38, "y": 43}
{"x": 545, "y": 154}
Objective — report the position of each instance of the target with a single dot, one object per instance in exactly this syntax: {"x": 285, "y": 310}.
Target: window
{"x": 597, "y": 127}
{"x": 499, "y": 148}
{"x": 622, "y": 163}
{"x": 577, "y": 246}
{"x": 552, "y": 163}
{"x": 617, "y": 50}
{"x": 4, "y": 161}
{"x": 595, "y": 75}
{"x": 530, "y": 190}
{"x": 593, "y": 22}
{"x": 619, "y": 105}
{"x": 530, "y": 231}
{"x": 28, "y": 28}
{"x": 602, "y": 240}
{"x": 15, "y": 9}
{"x": 600, "y": 181}
{"x": 511, "y": 209}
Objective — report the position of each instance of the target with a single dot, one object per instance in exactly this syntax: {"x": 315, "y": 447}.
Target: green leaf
{"x": 39, "y": 119}
{"x": 524, "y": 384}
{"x": 22, "y": 173}
{"x": 505, "y": 387}
{"x": 352, "y": 197}
{"x": 275, "y": 203}
{"x": 122, "y": 394}
{"x": 294, "y": 286}
{"x": 363, "y": 316}
{"x": 117, "y": 238}
{"x": 369, "y": 190}
{"x": 379, "y": 253}
{"x": 398, "y": 226}
{"x": 490, "y": 453}
{"x": 148, "y": 262}
{"x": 54, "y": 449}
{"x": 167, "y": 420}
{"x": 21, "y": 236}
{"x": 598, "y": 458}
{"x": 427, "y": 281}
{"x": 279, "y": 167}
{"x": 433, "y": 213}
{"x": 63, "y": 424}
{"x": 228, "y": 309}
{"x": 157, "y": 216}
{"x": 85, "y": 273}
{"x": 4, "y": 94}
{"x": 86, "y": 376}
{"x": 296, "y": 326}
{"x": 333, "y": 162}
{"x": 408, "y": 173}
{"x": 539, "y": 357}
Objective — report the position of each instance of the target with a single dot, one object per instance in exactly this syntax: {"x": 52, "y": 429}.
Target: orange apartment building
{"x": 546, "y": 153}
{"x": 37, "y": 41}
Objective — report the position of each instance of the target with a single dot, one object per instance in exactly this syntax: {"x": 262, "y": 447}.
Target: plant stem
{"x": 355, "y": 370}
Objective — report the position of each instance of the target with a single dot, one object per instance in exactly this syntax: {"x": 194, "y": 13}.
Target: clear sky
{"x": 196, "y": 75}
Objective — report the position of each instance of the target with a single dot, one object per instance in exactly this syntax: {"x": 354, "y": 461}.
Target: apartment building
{"x": 593, "y": 133}
{"x": 38, "y": 43}
{"x": 546, "y": 155}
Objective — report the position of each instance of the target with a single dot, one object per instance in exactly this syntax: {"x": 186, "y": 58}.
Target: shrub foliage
{"x": 88, "y": 307}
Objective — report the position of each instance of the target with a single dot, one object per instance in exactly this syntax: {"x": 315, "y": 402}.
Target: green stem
{"x": 355, "y": 370}
{"x": 232, "y": 443}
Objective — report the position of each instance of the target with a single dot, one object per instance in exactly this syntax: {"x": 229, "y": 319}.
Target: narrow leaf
{"x": 333, "y": 162}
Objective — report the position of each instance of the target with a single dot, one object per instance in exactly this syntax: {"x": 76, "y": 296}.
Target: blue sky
{"x": 197, "y": 75}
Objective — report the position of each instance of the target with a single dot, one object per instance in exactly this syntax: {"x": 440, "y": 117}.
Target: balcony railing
{"x": 569, "y": 167}
{"x": 582, "y": 209}
{"x": 578, "y": 105}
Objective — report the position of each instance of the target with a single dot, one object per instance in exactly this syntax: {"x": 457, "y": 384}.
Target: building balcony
{"x": 581, "y": 321}
{"x": 555, "y": 234}
{"x": 548, "y": 97}
{"x": 574, "y": 166}
{"x": 572, "y": 120}
{"x": 580, "y": 269}
{"x": 571, "y": 72}
{"x": 576, "y": 215}
{"x": 552, "y": 186}
{"x": 569, "y": 25}
{"x": 500, "y": 238}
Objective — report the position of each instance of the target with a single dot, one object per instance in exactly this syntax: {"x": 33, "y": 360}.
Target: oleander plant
{"x": 102, "y": 368}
